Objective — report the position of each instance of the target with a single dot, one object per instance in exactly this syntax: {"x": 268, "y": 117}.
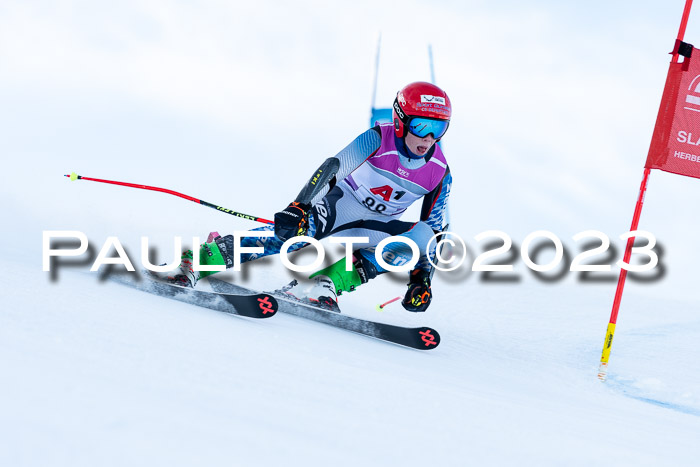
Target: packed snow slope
{"x": 551, "y": 136}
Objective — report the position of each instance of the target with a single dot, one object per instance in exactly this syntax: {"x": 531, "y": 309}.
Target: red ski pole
{"x": 73, "y": 176}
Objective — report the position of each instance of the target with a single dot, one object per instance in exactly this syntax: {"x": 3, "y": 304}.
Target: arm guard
{"x": 324, "y": 177}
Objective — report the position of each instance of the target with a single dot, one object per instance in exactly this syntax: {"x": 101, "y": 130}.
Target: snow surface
{"x": 551, "y": 134}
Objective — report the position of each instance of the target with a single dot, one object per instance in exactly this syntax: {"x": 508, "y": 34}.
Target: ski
{"x": 421, "y": 338}
{"x": 249, "y": 304}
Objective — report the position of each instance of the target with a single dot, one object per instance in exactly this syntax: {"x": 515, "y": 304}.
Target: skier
{"x": 361, "y": 192}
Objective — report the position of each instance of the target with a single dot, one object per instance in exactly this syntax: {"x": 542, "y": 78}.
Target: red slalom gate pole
{"x": 607, "y": 345}
{"x": 684, "y": 23}
{"x": 73, "y": 176}
{"x": 603, "y": 368}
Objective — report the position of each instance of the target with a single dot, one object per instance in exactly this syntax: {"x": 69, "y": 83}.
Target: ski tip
{"x": 429, "y": 338}
{"x": 267, "y": 306}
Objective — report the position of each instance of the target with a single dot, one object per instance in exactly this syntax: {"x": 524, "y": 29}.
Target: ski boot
{"x": 323, "y": 294}
{"x": 209, "y": 253}
{"x": 361, "y": 271}
{"x": 184, "y": 275}
{"x": 333, "y": 281}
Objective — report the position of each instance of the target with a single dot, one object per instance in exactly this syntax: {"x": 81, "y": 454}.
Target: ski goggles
{"x": 422, "y": 127}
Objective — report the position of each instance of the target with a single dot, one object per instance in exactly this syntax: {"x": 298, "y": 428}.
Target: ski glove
{"x": 418, "y": 295}
{"x": 293, "y": 221}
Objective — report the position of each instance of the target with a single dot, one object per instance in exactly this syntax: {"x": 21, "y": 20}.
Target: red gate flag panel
{"x": 675, "y": 145}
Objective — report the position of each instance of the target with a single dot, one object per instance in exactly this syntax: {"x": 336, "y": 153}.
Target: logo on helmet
{"x": 398, "y": 110}
{"x": 435, "y": 99}
{"x": 401, "y": 99}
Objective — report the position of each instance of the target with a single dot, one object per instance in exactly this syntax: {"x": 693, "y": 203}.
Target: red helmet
{"x": 422, "y": 109}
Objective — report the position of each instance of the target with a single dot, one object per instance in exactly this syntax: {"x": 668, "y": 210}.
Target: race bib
{"x": 380, "y": 194}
